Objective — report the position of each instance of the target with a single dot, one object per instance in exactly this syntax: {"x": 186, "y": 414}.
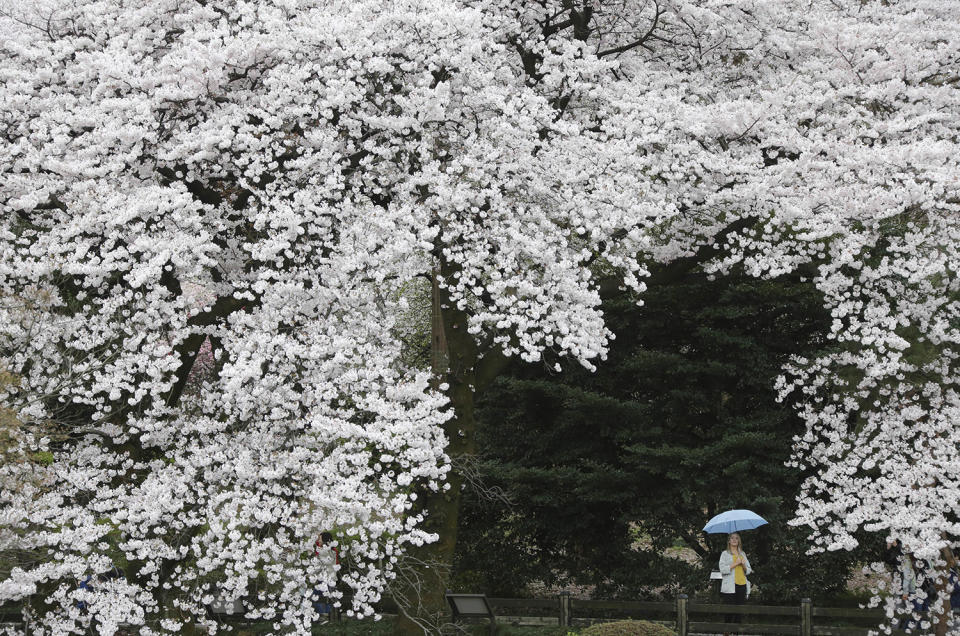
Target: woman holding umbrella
{"x": 734, "y": 566}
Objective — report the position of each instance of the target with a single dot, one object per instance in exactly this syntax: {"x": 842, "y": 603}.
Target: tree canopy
{"x": 266, "y": 174}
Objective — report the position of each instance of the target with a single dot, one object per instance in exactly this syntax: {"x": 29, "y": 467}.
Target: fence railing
{"x": 803, "y": 619}
{"x": 688, "y": 616}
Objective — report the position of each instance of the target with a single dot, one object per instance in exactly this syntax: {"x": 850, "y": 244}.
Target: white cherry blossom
{"x": 253, "y": 183}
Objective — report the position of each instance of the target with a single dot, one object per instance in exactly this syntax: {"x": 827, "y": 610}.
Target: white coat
{"x": 728, "y": 584}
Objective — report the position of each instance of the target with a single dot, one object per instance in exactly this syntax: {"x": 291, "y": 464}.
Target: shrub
{"x": 628, "y": 628}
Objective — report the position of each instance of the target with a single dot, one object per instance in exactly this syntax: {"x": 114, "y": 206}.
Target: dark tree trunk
{"x": 454, "y": 357}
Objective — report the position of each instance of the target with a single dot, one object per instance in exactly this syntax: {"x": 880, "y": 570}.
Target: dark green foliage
{"x": 681, "y": 422}
{"x": 628, "y": 628}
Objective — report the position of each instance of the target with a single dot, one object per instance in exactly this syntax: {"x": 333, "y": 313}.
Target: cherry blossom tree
{"x": 882, "y": 410}
{"x": 819, "y": 136}
{"x": 262, "y": 178}
{"x": 239, "y": 209}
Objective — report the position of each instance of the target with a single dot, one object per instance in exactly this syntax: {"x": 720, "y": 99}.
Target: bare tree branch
{"x": 640, "y": 42}
{"x": 468, "y": 466}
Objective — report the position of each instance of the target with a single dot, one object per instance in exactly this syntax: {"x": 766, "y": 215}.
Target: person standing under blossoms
{"x": 321, "y": 604}
{"x": 734, "y": 566}
{"x": 911, "y": 571}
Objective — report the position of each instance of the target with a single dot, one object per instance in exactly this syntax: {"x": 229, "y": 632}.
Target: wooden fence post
{"x": 682, "y": 614}
{"x": 564, "y": 609}
{"x": 806, "y": 617}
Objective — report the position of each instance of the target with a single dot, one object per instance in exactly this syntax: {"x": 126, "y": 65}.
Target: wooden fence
{"x": 688, "y": 617}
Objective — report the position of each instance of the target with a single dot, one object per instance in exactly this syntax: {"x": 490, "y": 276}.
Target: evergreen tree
{"x": 607, "y": 470}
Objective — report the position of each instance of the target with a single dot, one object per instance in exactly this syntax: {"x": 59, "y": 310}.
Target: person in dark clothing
{"x": 893, "y": 553}
{"x": 953, "y": 585}
{"x": 321, "y": 603}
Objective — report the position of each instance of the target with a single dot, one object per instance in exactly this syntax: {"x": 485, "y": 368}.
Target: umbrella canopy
{"x": 734, "y": 521}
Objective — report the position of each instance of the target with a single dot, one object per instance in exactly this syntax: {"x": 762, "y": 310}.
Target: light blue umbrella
{"x": 734, "y": 521}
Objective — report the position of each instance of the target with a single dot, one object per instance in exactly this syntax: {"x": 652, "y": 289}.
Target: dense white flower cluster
{"x": 252, "y": 182}
{"x": 872, "y": 199}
